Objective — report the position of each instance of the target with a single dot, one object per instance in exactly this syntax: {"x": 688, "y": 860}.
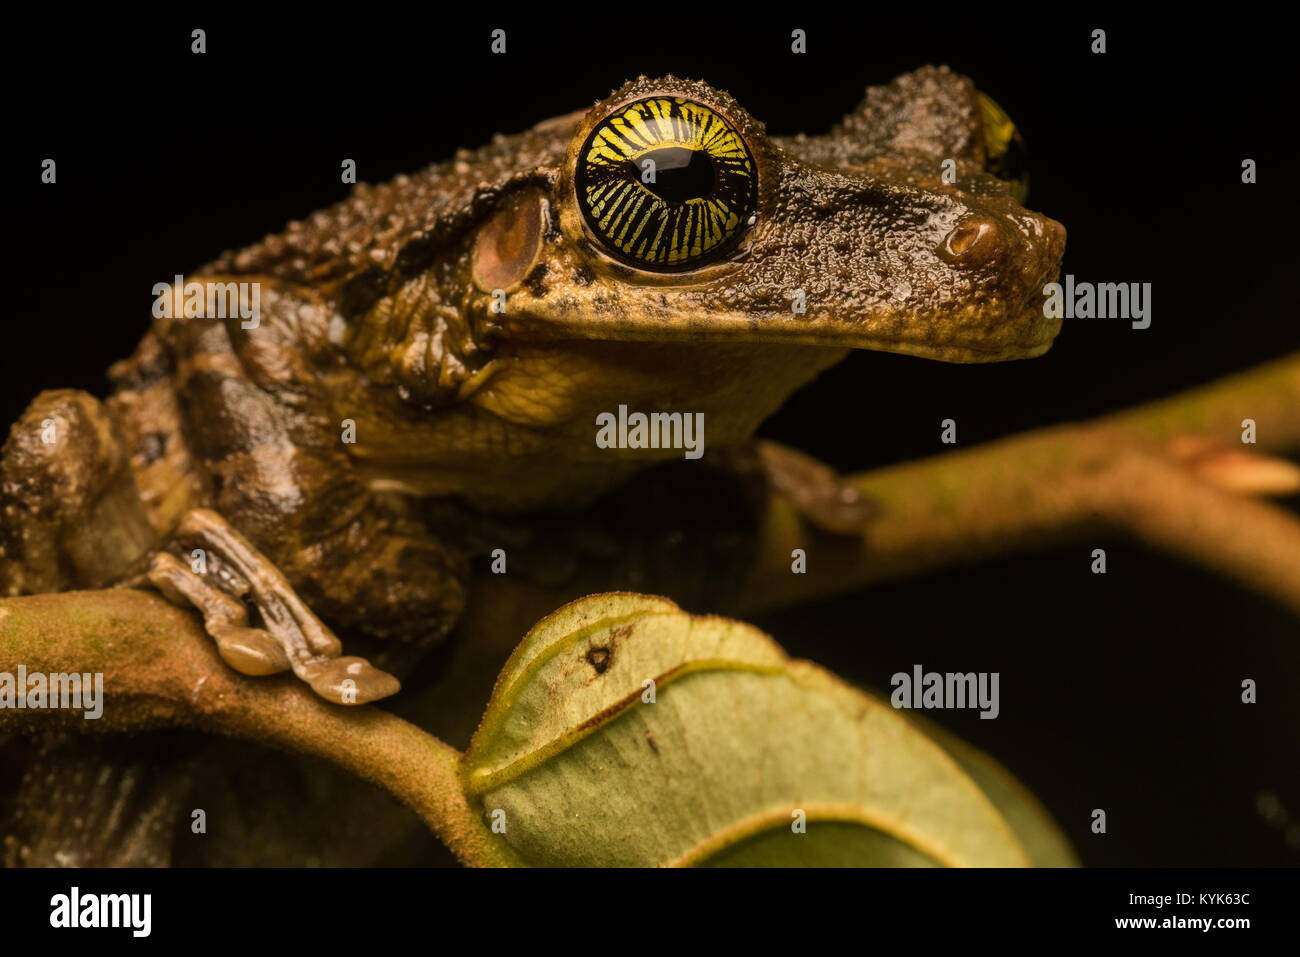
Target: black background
{"x": 1118, "y": 691}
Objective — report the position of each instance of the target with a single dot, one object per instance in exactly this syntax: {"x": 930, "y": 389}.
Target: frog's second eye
{"x": 666, "y": 184}
{"x": 1004, "y": 148}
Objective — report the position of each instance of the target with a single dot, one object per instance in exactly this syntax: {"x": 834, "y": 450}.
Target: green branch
{"x": 1170, "y": 474}
{"x": 161, "y": 669}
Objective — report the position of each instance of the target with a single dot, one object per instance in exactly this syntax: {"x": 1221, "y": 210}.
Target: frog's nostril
{"x": 974, "y": 240}
{"x": 960, "y": 240}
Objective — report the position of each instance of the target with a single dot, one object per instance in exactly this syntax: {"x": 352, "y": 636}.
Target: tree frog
{"x": 454, "y": 335}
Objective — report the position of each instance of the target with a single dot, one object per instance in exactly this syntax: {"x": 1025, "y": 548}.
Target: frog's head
{"x": 674, "y": 216}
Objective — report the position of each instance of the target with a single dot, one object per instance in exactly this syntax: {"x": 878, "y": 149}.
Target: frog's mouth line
{"x": 968, "y": 354}
{"x": 1024, "y": 334}
{"x": 1044, "y": 332}
{"x": 937, "y": 349}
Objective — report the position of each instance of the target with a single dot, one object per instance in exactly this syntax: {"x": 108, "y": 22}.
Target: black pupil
{"x": 679, "y": 173}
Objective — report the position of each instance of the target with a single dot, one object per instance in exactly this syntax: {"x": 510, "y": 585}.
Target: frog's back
{"x": 398, "y": 226}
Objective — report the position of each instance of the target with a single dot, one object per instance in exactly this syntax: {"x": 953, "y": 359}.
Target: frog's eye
{"x": 666, "y": 184}
{"x": 1004, "y": 149}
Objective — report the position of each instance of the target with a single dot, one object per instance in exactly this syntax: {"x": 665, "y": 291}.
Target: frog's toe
{"x": 293, "y": 637}
{"x": 821, "y": 494}
{"x": 251, "y": 651}
{"x": 352, "y": 680}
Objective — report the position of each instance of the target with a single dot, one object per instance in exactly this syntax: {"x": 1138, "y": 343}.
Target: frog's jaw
{"x": 937, "y": 337}
{"x": 1007, "y": 322}
{"x": 1040, "y": 333}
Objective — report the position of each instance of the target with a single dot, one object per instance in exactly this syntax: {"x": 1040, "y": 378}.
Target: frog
{"x": 445, "y": 344}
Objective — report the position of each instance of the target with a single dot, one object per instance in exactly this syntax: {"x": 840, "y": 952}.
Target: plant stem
{"x": 160, "y": 669}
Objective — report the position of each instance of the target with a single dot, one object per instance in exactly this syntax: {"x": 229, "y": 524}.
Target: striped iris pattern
{"x": 666, "y": 184}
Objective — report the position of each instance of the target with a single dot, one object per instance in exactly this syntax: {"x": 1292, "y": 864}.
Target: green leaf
{"x": 1040, "y": 836}
{"x": 624, "y": 731}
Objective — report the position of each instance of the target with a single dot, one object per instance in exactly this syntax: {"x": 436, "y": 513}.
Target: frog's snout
{"x": 1029, "y": 246}
{"x": 980, "y": 237}
{"x": 1041, "y": 261}
{"x": 1052, "y": 245}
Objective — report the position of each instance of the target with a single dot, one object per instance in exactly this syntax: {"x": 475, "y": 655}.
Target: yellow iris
{"x": 666, "y": 183}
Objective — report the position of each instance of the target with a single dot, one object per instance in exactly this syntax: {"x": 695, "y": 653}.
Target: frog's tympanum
{"x": 452, "y": 336}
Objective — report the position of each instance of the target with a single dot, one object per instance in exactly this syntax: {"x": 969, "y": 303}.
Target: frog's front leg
{"x": 290, "y": 527}
{"x": 293, "y": 637}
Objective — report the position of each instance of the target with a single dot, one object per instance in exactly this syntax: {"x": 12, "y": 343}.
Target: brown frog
{"x": 455, "y": 335}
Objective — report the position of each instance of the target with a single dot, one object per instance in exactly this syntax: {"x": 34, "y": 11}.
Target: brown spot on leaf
{"x": 598, "y": 658}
